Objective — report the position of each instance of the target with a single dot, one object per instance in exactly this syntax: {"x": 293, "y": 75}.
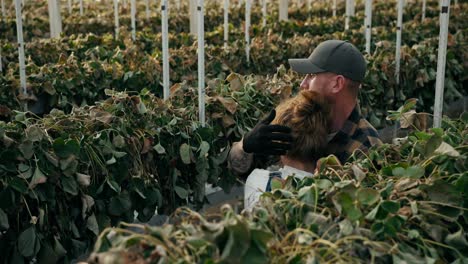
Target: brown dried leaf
{"x": 405, "y": 184}
{"x": 451, "y": 41}
{"x": 174, "y": 88}
{"x": 228, "y": 103}
{"x": 228, "y": 121}
{"x": 407, "y": 119}
{"x": 236, "y": 81}
{"x": 146, "y": 146}
{"x": 4, "y": 111}
{"x": 217, "y": 115}
{"x": 422, "y": 120}
{"x": 102, "y": 116}
{"x": 83, "y": 179}
{"x": 405, "y": 210}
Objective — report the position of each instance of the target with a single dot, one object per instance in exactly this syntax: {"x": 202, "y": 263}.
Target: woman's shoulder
{"x": 259, "y": 173}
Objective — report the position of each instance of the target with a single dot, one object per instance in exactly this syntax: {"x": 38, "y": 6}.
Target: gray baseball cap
{"x": 335, "y": 56}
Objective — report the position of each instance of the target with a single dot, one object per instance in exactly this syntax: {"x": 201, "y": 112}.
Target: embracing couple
{"x": 323, "y": 119}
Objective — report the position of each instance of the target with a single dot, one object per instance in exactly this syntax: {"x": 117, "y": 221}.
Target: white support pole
{"x": 124, "y": 4}
{"x": 309, "y": 6}
{"x": 398, "y": 41}
{"x": 247, "y": 30}
{"x": 350, "y": 10}
{"x": 226, "y": 23}
{"x": 283, "y": 10}
{"x": 334, "y": 8}
{"x": 58, "y": 16}
{"x": 147, "y": 9}
{"x": 133, "y": 19}
{"x": 19, "y": 31}
{"x": 116, "y": 18}
{"x": 81, "y": 7}
{"x": 264, "y": 12}
{"x": 69, "y": 6}
{"x": 193, "y": 16}
{"x": 423, "y": 16}
{"x": 165, "y": 47}
{"x": 368, "y": 24}
{"x": 1, "y": 64}
{"x": 51, "y": 8}
{"x": 441, "y": 59}
{"x": 178, "y": 4}
{"x": 201, "y": 63}
{"x": 55, "y": 18}
{"x": 3, "y": 10}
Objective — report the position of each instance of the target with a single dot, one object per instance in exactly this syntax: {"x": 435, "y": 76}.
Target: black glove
{"x": 268, "y": 139}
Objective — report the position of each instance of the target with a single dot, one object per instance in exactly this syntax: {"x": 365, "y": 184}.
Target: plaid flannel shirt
{"x": 356, "y": 134}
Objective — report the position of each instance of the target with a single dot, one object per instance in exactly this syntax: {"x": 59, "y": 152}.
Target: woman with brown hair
{"x": 309, "y": 117}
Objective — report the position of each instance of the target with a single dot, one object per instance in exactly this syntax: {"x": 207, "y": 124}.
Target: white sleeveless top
{"x": 257, "y": 182}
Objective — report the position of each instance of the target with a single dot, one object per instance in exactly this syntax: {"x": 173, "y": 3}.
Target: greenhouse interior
{"x": 233, "y": 131}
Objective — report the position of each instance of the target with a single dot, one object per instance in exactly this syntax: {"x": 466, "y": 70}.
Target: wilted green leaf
{"x": 159, "y": 149}
{"x": 58, "y": 248}
{"x": 120, "y": 204}
{"x": 64, "y": 149}
{"x": 413, "y": 234}
{"x": 181, "y": 192}
{"x": 114, "y": 186}
{"x": 358, "y": 172}
{"x": 443, "y": 192}
{"x": 391, "y": 207}
{"x": 368, "y": 196}
{"x": 457, "y": 239}
{"x": 238, "y": 241}
{"x": 346, "y": 227}
{"x": 27, "y": 149}
{"x": 111, "y": 161}
{"x": 34, "y": 133}
{"x": 345, "y": 203}
{"x": 37, "y": 178}
{"x": 52, "y": 158}
{"x": 87, "y": 203}
{"x": 185, "y": 153}
{"x": 409, "y": 104}
{"x": 119, "y": 154}
{"x": 464, "y": 117}
{"x": 92, "y": 224}
{"x": 18, "y": 184}
{"x": 415, "y": 172}
{"x": 372, "y": 214}
{"x": 142, "y": 108}
{"x": 4, "y": 224}
{"x": 204, "y": 148}
{"x": 432, "y": 144}
{"x": 28, "y": 243}
{"x": 26, "y": 174}
{"x": 69, "y": 185}
{"x": 118, "y": 141}
{"x": 308, "y": 195}
{"x": 399, "y": 172}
